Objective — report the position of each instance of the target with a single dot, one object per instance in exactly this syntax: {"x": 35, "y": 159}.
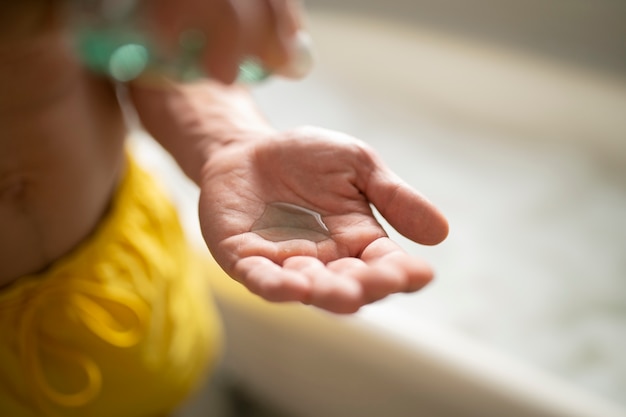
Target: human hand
{"x": 252, "y": 177}
{"x": 232, "y": 30}
{"x": 339, "y": 264}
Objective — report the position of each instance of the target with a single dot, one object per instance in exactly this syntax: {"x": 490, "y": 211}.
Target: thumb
{"x": 408, "y": 211}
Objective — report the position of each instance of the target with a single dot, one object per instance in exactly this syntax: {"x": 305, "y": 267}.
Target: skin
{"x": 60, "y": 149}
{"x": 242, "y": 164}
{"x": 61, "y": 156}
{"x": 233, "y": 28}
{"x": 61, "y": 146}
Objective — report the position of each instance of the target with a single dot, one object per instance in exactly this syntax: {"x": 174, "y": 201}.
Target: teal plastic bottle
{"x": 111, "y": 40}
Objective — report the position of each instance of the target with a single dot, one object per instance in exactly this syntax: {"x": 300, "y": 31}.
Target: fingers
{"x": 409, "y": 212}
{"x": 274, "y": 28}
{"x": 233, "y": 30}
{"x": 341, "y": 286}
{"x": 388, "y": 262}
{"x": 225, "y": 45}
{"x": 268, "y": 280}
{"x": 329, "y": 290}
{"x": 300, "y": 278}
{"x": 270, "y": 28}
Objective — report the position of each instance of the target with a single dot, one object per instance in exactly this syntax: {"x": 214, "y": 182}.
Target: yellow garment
{"x": 123, "y": 326}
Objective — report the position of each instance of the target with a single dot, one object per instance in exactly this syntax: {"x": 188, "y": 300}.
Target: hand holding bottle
{"x": 225, "y": 40}
{"x": 268, "y": 30}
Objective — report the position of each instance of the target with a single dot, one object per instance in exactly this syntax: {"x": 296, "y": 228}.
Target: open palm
{"x": 289, "y": 217}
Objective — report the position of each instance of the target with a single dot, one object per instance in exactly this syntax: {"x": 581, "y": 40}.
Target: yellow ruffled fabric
{"x": 123, "y": 326}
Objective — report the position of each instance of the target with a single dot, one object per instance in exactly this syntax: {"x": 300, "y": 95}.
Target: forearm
{"x": 193, "y": 121}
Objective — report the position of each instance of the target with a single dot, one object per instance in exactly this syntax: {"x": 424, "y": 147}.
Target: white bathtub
{"x": 527, "y": 157}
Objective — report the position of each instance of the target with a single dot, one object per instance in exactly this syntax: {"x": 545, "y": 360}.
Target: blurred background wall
{"x": 587, "y": 32}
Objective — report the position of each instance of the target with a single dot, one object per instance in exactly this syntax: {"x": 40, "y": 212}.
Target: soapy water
{"x": 285, "y": 221}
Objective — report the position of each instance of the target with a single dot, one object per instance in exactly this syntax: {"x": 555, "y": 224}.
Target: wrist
{"x": 193, "y": 122}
